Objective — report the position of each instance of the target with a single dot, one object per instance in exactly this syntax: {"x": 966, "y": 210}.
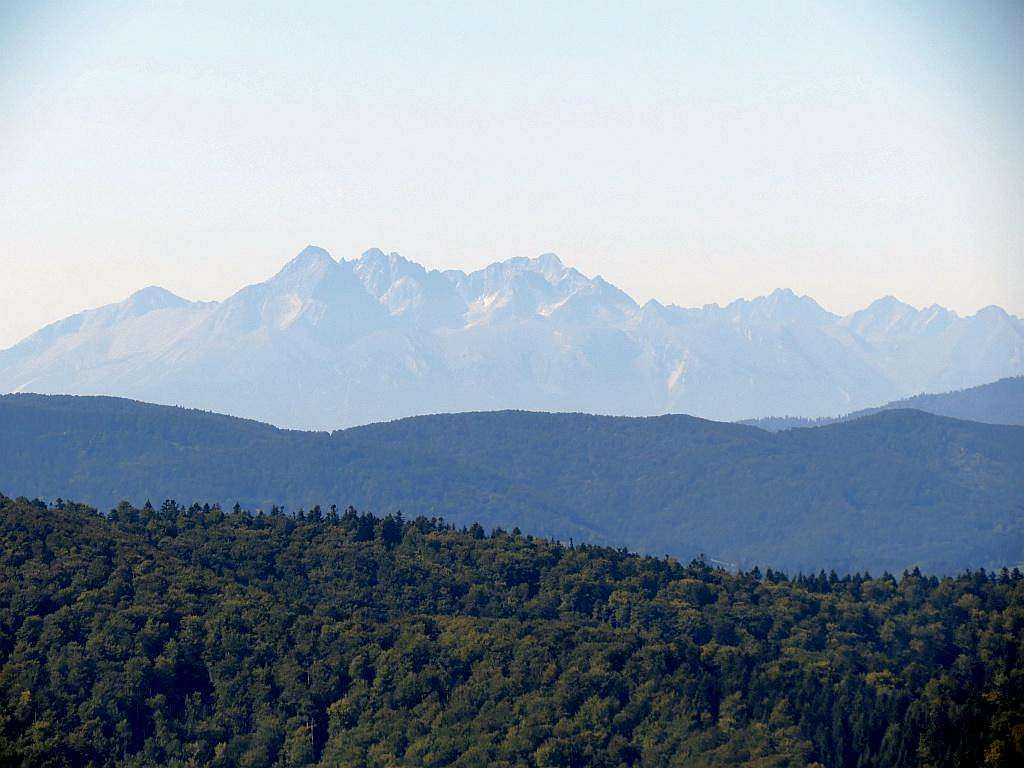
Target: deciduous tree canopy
{"x": 172, "y": 636}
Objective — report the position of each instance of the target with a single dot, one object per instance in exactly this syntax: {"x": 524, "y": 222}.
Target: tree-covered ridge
{"x": 891, "y": 491}
{"x": 1000, "y": 402}
{"x": 197, "y": 636}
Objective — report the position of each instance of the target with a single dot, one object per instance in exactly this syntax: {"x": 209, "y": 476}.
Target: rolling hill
{"x": 1001, "y": 402}
{"x": 892, "y": 490}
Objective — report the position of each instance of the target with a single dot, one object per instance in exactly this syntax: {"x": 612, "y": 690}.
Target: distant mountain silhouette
{"x": 888, "y": 491}
{"x": 326, "y": 344}
{"x": 1001, "y": 402}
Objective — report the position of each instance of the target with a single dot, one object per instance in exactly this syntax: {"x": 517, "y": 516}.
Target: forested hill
{"x": 895, "y": 490}
{"x": 189, "y": 637}
{"x": 1001, "y": 402}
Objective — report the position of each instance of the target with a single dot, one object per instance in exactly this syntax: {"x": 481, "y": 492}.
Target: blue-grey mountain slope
{"x": 888, "y": 491}
{"x": 1001, "y": 402}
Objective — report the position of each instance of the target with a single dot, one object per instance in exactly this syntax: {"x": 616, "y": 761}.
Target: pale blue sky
{"x": 690, "y": 152}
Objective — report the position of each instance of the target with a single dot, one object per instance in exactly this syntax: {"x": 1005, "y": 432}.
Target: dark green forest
{"x": 890, "y": 491}
{"x": 200, "y": 636}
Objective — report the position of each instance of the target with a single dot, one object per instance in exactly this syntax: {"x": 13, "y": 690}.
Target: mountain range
{"x": 888, "y": 491}
{"x": 326, "y": 344}
{"x": 1000, "y": 402}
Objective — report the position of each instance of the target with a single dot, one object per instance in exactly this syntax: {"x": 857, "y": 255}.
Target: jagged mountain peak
{"x": 993, "y": 312}
{"x": 371, "y": 254}
{"x": 516, "y": 288}
{"x": 544, "y": 262}
{"x": 314, "y": 252}
{"x": 375, "y": 256}
{"x": 519, "y": 274}
{"x": 888, "y": 318}
{"x": 881, "y": 316}
{"x": 547, "y": 265}
{"x": 787, "y": 297}
{"x": 90, "y": 321}
{"x": 408, "y": 289}
{"x": 312, "y": 291}
{"x": 937, "y": 309}
{"x": 782, "y": 305}
{"x": 309, "y": 260}
{"x": 304, "y": 274}
{"x": 327, "y": 343}
{"x": 389, "y": 266}
{"x": 889, "y": 301}
{"x": 887, "y": 306}
{"x": 155, "y": 297}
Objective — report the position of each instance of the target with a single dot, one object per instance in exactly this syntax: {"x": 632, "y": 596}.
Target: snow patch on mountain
{"x": 326, "y": 343}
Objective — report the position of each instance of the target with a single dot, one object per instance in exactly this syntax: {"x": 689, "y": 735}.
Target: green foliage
{"x": 887, "y": 492}
{"x": 181, "y": 637}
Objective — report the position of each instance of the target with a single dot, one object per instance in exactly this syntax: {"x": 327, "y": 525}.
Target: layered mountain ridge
{"x": 1000, "y": 402}
{"x": 326, "y": 344}
{"x": 888, "y": 491}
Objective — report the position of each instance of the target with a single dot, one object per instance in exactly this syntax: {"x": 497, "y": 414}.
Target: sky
{"x": 690, "y": 152}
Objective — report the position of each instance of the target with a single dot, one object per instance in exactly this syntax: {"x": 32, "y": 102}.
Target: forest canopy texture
{"x": 198, "y": 636}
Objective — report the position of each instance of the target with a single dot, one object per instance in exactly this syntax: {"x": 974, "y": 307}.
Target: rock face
{"x": 326, "y": 344}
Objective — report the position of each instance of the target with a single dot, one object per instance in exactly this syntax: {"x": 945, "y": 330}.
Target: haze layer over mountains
{"x": 326, "y": 344}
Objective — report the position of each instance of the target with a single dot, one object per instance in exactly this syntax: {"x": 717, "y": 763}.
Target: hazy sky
{"x": 690, "y": 152}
